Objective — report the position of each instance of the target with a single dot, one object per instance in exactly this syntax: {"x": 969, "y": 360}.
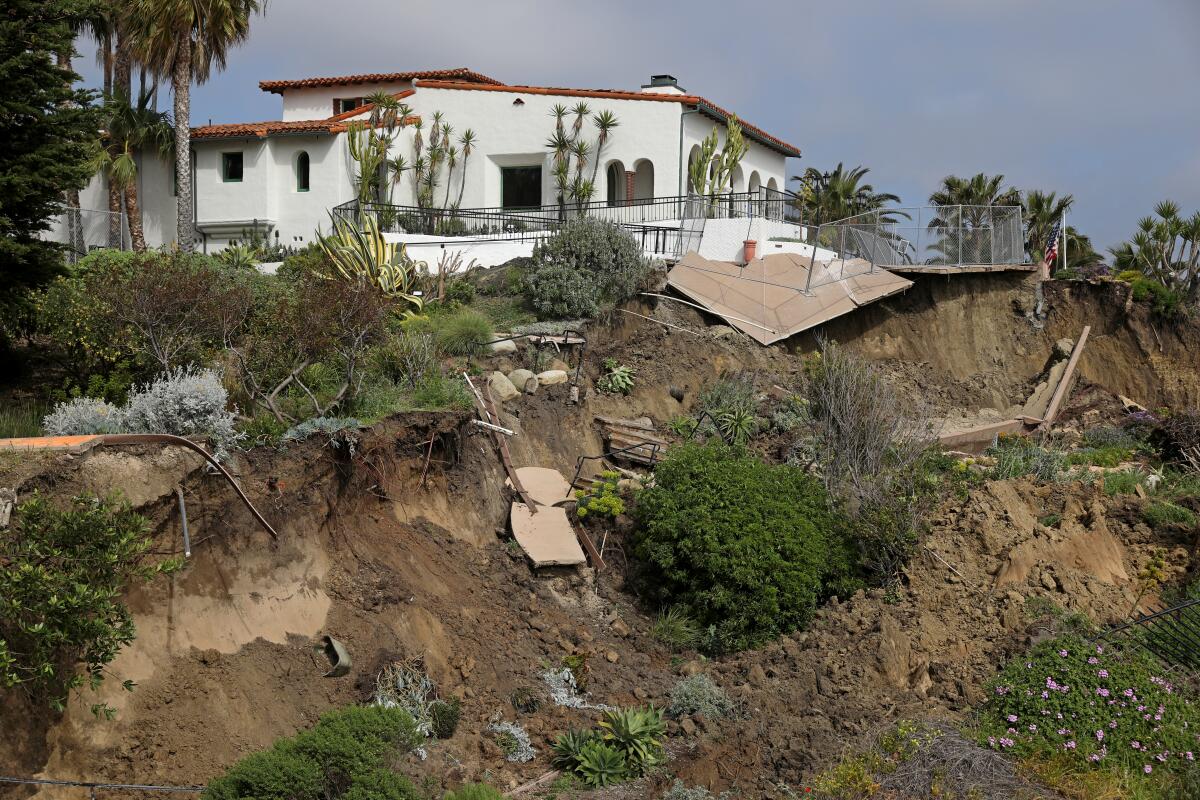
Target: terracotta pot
{"x": 751, "y": 246}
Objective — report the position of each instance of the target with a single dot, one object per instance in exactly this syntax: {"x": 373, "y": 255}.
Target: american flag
{"x": 1052, "y": 244}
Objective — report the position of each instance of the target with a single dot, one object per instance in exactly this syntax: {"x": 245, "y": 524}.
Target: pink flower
{"x": 1033, "y": 728}
{"x": 1189, "y": 755}
{"x": 1147, "y": 769}
{"x": 1094, "y": 757}
{"x": 1102, "y": 692}
{"x": 1062, "y": 653}
{"x": 1012, "y": 717}
{"x": 1135, "y": 744}
{"x": 1103, "y": 673}
{"x": 1069, "y": 745}
{"x": 1099, "y": 736}
{"x": 1093, "y": 660}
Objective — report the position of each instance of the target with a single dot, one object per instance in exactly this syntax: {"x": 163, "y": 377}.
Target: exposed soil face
{"x": 399, "y": 557}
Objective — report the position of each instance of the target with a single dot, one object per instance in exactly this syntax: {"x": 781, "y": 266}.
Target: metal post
{"x": 187, "y": 539}
{"x": 812, "y": 264}
{"x": 960, "y": 236}
{"x": 1063, "y": 261}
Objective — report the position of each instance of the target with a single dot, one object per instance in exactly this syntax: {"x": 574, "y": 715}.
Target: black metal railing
{"x": 454, "y": 222}
{"x": 1171, "y": 634}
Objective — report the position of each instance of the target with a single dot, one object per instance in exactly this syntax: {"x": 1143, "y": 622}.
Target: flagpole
{"x": 1063, "y": 222}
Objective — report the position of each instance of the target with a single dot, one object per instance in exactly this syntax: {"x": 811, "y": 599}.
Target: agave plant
{"x": 568, "y": 748}
{"x": 361, "y": 253}
{"x": 637, "y": 733}
{"x": 601, "y": 764}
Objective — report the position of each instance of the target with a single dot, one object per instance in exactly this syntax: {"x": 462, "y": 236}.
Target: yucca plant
{"x": 637, "y": 733}
{"x": 601, "y": 764}
{"x": 361, "y": 253}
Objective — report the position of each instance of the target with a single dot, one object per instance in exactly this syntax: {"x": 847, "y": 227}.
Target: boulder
{"x": 501, "y": 387}
{"x": 552, "y": 376}
{"x": 558, "y": 363}
{"x": 524, "y": 380}
{"x": 508, "y": 346}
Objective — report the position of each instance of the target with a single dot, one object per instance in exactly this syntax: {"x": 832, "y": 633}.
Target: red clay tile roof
{"x": 261, "y": 130}
{"x": 703, "y": 105}
{"x": 461, "y": 74}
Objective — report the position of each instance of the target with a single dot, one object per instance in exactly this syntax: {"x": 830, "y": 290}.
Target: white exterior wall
{"x": 769, "y": 164}
{"x": 507, "y": 135}
{"x": 317, "y": 102}
{"x": 155, "y": 183}
{"x": 515, "y": 135}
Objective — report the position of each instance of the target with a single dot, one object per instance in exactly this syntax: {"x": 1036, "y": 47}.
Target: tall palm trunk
{"x": 71, "y": 196}
{"x": 462, "y": 183}
{"x": 133, "y": 213}
{"x": 114, "y": 215}
{"x": 181, "y": 84}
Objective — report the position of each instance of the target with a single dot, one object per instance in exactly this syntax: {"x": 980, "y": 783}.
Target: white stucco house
{"x": 282, "y": 177}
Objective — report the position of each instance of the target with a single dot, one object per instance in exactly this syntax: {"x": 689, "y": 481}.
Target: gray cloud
{"x": 1091, "y": 97}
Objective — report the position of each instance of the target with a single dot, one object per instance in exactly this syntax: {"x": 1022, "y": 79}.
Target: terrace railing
{"x": 939, "y": 235}
{"x": 764, "y": 202}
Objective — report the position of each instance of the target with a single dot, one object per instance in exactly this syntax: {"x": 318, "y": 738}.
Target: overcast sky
{"x": 1097, "y": 98}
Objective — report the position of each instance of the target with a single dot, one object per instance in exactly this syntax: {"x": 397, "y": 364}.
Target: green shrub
{"x": 731, "y": 402}
{"x": 1165, "y": 302}
{"x": 406, "y": 359}
{"x": 1106, "y": 456}
{"x": 676, "y": 629}
{"x": 344, "y": 755}
{"x": 305, "y": 263}
{"x": 438, "y": 391}
{"x": 743, "y": 547}
{"x": 1124, "y": 482}
{"x": 1103, "y": 708}
{"x": 1018, "y": 456}
{"x": 586, "y": 265}
{"x": 697, "y": 694}
{"x": 443, "y": 717}
{"x": 22, "y": 419}
{"x": 1159, "y": 514}
{"x": 61, "y": 592}
{"x": 602, "y": 500}
{"x": 475, "y": 791}
{"x": 460, "y": 291}
{"x": 463, "y": 333}
{"x": 617, "y": 378}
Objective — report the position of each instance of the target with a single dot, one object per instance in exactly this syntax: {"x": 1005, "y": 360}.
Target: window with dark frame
{"x": 302, "y": 172}
{"x": 520, "y": 187}
{"x": 231, "y": 167}
{"x": 343, "y": 104}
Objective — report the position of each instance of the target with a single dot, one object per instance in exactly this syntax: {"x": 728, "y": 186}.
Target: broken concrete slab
{"x": 546, "y": 486}
{"x": 547, "y": 536}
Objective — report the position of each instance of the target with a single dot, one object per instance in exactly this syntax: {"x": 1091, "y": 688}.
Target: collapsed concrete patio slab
{"x": 767, "y": 299}
{"x": 547, "y": 536}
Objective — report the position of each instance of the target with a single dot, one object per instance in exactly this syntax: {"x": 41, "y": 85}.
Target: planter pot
{"x": 750, "y": 247}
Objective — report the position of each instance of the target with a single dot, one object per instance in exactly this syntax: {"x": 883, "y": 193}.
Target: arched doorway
{"x": 643, "y": 180}
{"x": 614, "y": 177}
{"x": 736, "y": 181}
{"x": 693, "y": 157}
{"x": 755, "y": 182}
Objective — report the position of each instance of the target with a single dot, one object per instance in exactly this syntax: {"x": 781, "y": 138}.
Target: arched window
{"x": 614, "y": 176}
{"x": 302, "y": 172}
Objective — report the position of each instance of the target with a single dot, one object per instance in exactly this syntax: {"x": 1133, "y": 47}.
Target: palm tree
{"x": 1042, "y": 210}
{"x": 829, "y": 196}
{"x": 604, "y": 121}
{"x": 978, "y": 190}
{"x": 186, "y": 39}
{"x": 129, "y": 132}
{"x": 1166, "y": 249}
{"x": 467, "y": 140}
{"x": 964, "y": 220}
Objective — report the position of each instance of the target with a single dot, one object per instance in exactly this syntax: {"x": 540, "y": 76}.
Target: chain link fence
{"x": 84, "y": 229}
{"x": 935, "y": 235}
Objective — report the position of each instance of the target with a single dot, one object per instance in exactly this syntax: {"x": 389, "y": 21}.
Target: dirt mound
{"x": 394, "y": 550}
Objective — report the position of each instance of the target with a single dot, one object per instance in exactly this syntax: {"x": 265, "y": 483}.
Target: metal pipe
{"x": 187, "y": 540}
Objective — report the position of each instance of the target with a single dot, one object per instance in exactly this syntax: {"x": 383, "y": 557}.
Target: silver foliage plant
{"x": 184, "y": 402}
{"x": 83, "y": 416}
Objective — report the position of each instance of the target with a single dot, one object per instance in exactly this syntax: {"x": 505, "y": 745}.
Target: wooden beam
{"x": 1065, "y": 384}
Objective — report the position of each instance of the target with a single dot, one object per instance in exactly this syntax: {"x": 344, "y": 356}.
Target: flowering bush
{"x": 1113, "y": 709}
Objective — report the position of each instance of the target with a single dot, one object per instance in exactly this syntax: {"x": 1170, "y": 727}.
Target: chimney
{"x": 663, "y": 84}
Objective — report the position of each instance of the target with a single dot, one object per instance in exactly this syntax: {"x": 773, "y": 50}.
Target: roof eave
{"x": 766, "y": 141}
